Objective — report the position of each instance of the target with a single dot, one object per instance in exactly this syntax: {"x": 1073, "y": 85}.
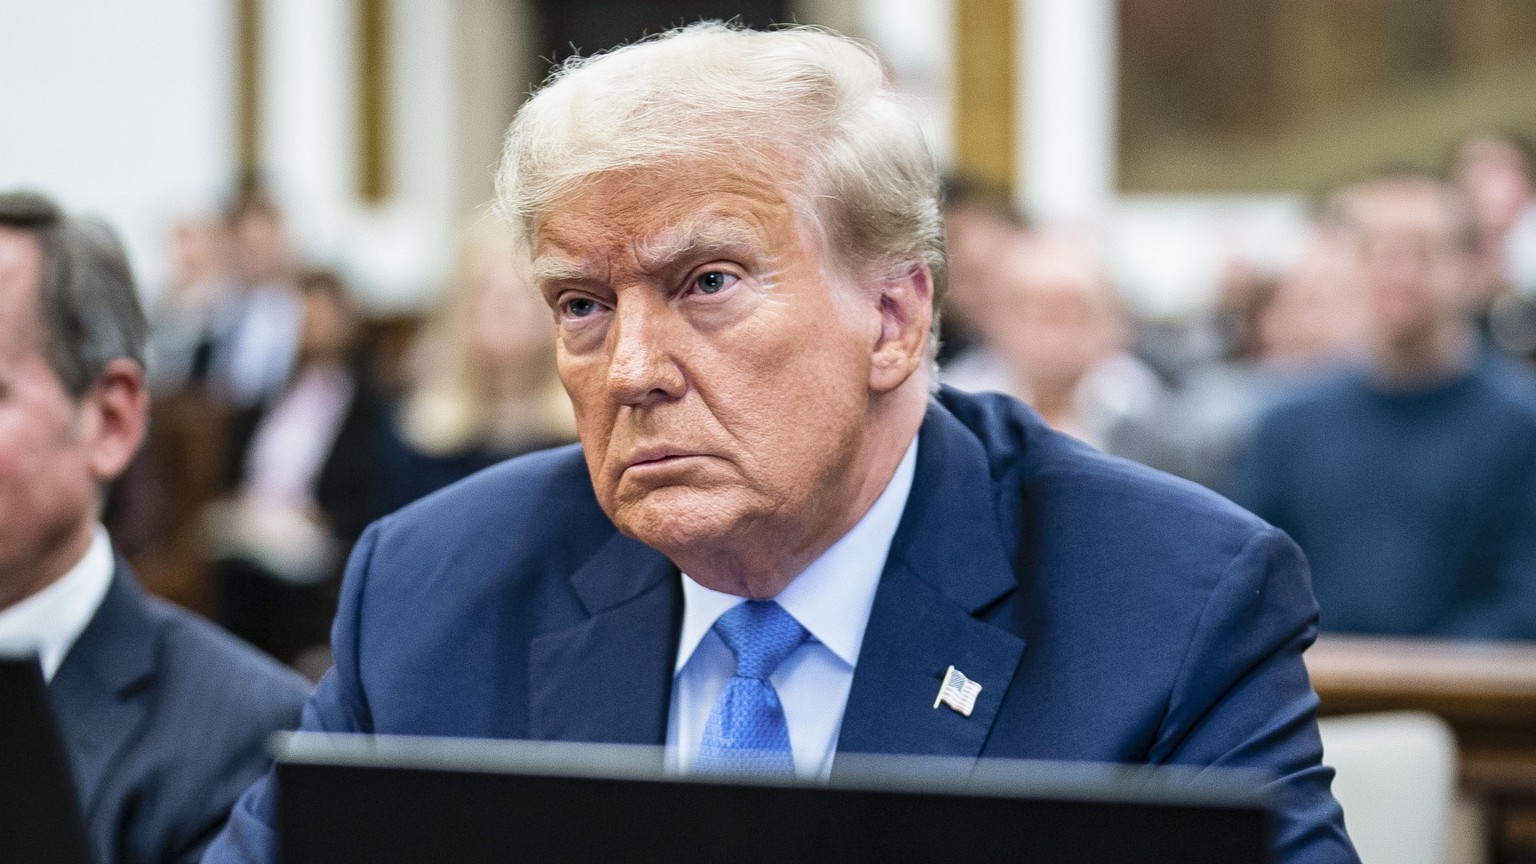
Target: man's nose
{"x": 642, "y": 366}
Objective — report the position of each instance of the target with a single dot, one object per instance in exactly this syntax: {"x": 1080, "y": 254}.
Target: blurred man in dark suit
{"x": 778, "y": 543}
{"x": 164, "y": 717}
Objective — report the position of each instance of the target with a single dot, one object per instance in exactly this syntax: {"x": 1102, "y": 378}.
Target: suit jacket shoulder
{"x": 166, "y": 719}
{"x": 478, "y": 572}
{"x": 1163, "y": 624}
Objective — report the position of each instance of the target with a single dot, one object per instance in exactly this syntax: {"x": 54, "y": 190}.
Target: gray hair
{"x": 867, "y": 183}
{"x": 90, "y": 309}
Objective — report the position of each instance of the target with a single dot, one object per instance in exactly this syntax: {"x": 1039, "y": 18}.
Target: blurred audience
{"x": 165, "y": 718}
{"x": 1315, "y": 318}
{"x": 305, "y": 479}
{"x": 1055, "y": 336}
{"x": 1283, "y": 334}
{"x": 1410, "y": 483}
{"x": 485, "y": 385}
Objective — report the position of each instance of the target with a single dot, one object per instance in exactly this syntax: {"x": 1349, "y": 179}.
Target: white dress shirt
{"x": 260, "y": 352}
{"x": 831, "y": 599}
{"x": 51, "y": 620}
{"x": 291, "y": 441}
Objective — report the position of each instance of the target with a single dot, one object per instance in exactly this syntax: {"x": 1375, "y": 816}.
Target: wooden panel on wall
{"x": 248, "y": 85}
{"x": 985, "y": 97}
{"x": 1294, "y": 95}
{"x": 373, "y": 101}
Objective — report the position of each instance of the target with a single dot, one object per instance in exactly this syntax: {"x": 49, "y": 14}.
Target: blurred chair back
{"x": 1397, "y": 783}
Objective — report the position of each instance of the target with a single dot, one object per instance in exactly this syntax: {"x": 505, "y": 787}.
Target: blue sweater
{"x": 1416, "y": 509}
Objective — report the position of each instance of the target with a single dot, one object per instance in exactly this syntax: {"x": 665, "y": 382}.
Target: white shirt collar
{"x": 832, "y": 597}
{"x": 51, "y": 620}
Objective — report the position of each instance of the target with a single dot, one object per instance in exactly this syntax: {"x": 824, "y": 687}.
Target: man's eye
{"x": 580, "y": 307}
{"x": 714, "y": 282}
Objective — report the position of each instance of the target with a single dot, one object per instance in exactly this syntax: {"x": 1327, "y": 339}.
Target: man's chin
{"x": 677, "y": 520}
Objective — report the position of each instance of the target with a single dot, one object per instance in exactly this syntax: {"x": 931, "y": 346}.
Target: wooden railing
{"x": 1486, "y": 691}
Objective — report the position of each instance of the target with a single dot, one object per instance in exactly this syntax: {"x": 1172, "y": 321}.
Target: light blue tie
{"x": 747, "y": 733}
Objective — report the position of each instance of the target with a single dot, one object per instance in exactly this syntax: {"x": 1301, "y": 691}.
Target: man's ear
{"x": 117, "y": 413}
{"x": 906, "y": 312}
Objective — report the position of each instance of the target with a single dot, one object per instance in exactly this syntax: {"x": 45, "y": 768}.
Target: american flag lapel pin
{"x": 958, "y": 692}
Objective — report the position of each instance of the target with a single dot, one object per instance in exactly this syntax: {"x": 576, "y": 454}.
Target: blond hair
{"x": 716, "y": 92}
{"x": 448, "y": 409}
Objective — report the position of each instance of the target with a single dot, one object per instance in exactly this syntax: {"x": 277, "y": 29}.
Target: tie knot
{"x": 761, "y": 634}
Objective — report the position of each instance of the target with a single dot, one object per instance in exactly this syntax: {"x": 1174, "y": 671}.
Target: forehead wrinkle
{"x": 702, "y": 232}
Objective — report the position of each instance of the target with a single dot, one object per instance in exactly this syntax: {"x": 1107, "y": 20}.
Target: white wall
{"x": 1065, "y": 122}
{"x": 395, "y": 253}
{"x": 126, "y": 109}
{"x": 120, "y": 109}
{"x": 917, "y": 39}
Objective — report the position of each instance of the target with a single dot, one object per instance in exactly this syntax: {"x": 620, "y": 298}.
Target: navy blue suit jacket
{"x": 1110, "y": 613}
{"x": 165, "y": 719}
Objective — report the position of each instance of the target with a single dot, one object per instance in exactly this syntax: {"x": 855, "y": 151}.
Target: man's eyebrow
{"x": 705, "y": 233}
{"x": 660, "y": 250}
{"x": 555, "y": 268}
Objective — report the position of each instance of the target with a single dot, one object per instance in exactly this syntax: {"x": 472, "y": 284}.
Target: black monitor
{"x": 348, "y": 799}
{"x": 39, "y": 815}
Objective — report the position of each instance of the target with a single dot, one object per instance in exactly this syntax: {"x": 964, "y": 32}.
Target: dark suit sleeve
{"x": 337, "y": 705}
{"x": 223, "y": 779}
{"x": 1243, "y": 699}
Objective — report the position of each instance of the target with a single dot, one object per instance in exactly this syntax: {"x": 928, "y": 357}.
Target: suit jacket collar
{"x": 952, "y": 535}
{"x": 97, "y": 692}
{"x": 950, "y": 561}
{"x": 608, "y": 676}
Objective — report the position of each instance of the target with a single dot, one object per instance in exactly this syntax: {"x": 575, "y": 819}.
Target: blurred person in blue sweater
{"x": 1410, "y": 481}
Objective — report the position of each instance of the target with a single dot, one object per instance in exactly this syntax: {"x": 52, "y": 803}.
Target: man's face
{"x": 719, "y": 370}
{"x": 1412, "y": 269}
{"x": 1316, "y": 312}
{"x": 976, "y": 239}
{"x": 260, "y": 247}
{"x": 1053, "y": 321}
{"x": 47, "y": 489}
{"x": 1497, "y": 182}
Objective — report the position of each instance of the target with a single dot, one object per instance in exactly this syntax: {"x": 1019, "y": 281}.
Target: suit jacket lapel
{"x": 949, "y": 561}
{"x": 608, "y": 676}
{"x": 98, "y": 689}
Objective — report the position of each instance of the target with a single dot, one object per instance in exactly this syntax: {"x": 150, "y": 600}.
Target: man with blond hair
{"x": 777, "y": 535}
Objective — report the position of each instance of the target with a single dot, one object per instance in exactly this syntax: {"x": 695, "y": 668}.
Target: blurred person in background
{"x": 165, "y": 718}
{"x": 979, "y": 224}
{"x": 192, "y": 310}
{"x": 153, "y": 508}
{"x": 305, "y": 479}
{"x": 255, "y": 347}
{"x": 1286, "y": 334}
{"x": 1055, "y": 337}
{"x": 1410, "y": 483}
{"x": 1314, "y": 321}
{"x": 1495, "y": 170}
{"x": 486, "y": 387}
